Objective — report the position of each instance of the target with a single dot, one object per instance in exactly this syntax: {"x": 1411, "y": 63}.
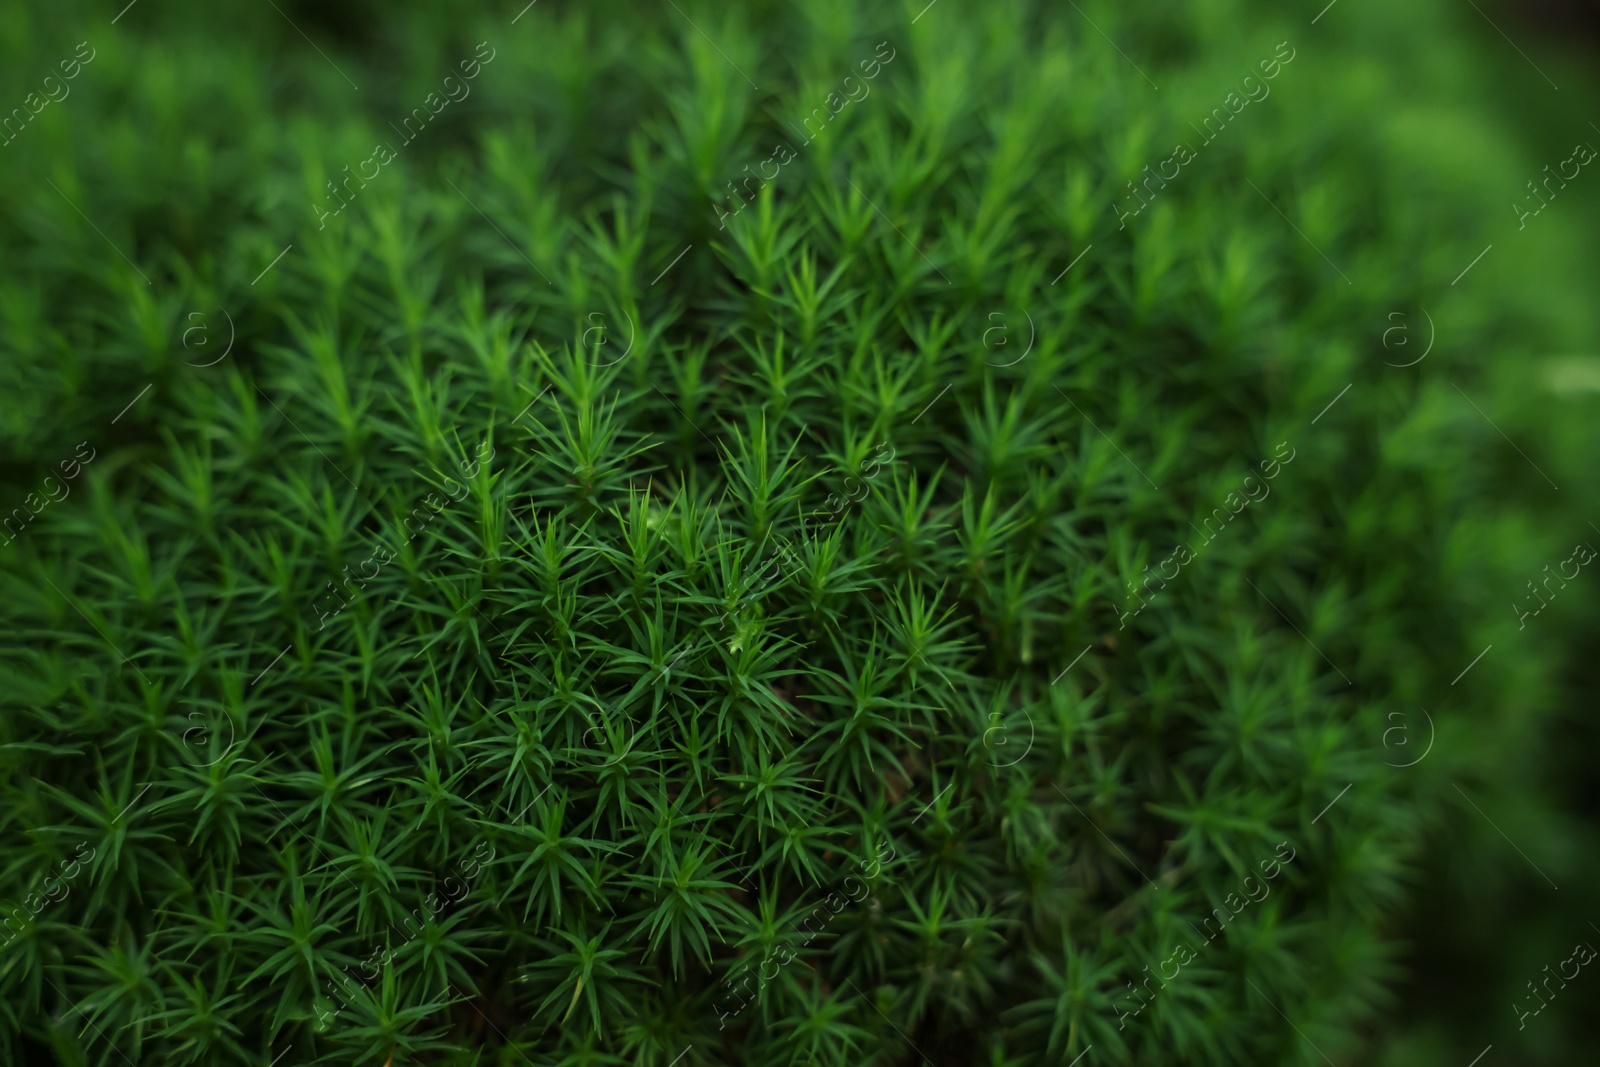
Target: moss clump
{"x": 606, "y": 607}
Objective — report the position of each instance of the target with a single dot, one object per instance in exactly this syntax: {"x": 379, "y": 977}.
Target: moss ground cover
{"x": 546, "y": 590}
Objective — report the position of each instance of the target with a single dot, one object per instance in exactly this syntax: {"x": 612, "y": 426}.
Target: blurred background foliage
{"x": 199, "y": 137}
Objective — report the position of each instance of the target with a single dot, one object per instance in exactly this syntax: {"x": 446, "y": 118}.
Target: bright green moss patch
{"x": 685, "y": 551}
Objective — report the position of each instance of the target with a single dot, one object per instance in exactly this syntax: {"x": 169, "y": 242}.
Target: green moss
{"x": 551, "y": 610}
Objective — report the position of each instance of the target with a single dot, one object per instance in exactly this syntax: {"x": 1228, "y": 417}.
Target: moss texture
{"x": 733, "y": 537}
